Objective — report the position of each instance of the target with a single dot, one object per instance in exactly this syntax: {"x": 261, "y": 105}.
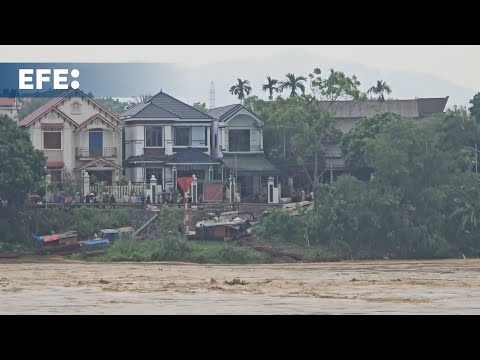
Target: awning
{"x": 246, "y": 164}
{"x": 55, "y": 164}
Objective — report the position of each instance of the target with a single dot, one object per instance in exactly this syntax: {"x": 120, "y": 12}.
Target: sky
{"x": 410, "y": 70}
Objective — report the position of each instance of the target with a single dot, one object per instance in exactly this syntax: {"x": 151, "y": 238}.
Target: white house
{"x": 169, "y": 139}
{"x": 77, "y": 134}
{"x": 240, "y": 146}
{"x": 10, "y": 107}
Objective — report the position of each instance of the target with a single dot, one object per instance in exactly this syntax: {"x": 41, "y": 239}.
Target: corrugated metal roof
{"x": 412, "y": 108}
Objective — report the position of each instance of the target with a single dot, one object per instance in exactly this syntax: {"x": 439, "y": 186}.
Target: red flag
{"x": 185, "y": 183}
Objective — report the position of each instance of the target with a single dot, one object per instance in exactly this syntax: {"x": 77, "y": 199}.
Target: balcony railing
{"x": 243, "y": 148}
{"x": 85, "y": 152}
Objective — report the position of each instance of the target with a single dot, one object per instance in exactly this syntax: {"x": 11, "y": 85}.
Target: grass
{"x": 172, "y": 248}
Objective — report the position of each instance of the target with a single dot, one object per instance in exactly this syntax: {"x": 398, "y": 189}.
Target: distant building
{"x": 10, "y": 107}
{"x": 77, "y": 134}
{"x": 349, "y": 112}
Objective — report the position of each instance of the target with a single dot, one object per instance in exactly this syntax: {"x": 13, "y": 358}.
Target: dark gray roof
{"x": 154, "y": 111}
{"x": 412, "y": 108}
{"x": 163, "y": 106}
{"x": 177, "y": 107}
{"x": 132, "y": 111}
{"x": 223, "y": 112}
{"x": 139, "y": 158}
{"x": 250, "y": 163}
{"x": 192, "y": 156}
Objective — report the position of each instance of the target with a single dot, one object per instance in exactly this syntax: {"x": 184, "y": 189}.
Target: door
{"x": 96, "y": 142}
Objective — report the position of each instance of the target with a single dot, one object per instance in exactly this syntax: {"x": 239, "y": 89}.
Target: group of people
{"x": 301, "y": 195}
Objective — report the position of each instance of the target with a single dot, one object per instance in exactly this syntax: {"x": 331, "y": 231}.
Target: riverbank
{"x": 58, "y": 286}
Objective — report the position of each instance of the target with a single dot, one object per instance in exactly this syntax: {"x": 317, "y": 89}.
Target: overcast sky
{"x": 411, "y": 71}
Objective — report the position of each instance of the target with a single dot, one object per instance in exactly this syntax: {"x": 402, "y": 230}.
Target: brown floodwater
{"x": 56, "y": 286}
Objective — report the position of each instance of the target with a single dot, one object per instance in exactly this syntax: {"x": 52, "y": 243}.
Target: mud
{"x": 56, "y": 286}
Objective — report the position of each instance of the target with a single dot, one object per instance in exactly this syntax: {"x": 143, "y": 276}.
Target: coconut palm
{"x": 271, "y": 86}
{"x": 293, "y": 83}
{"x": 241, "y": 89}
{"x": 380, "y": 89}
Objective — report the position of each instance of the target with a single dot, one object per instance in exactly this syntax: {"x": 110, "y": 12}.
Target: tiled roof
{"x": 192, "y": 156}
{"x": 223, "y": 112}
{"x": 29, "y": 119}
{"x": 163, "y": 105}
{"x": 7, "y": 101}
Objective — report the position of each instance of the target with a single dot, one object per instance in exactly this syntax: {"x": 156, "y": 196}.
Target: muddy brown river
{"x": 57, "y": 286}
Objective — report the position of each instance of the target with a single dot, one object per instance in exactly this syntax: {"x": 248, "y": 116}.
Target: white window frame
{"x": 145, "y": 136}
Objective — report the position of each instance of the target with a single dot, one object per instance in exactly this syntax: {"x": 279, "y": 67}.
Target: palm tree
{"x": 241, "y": 89}
{"x": 293, "y": 83}
{"x": 380, "y": 89}
{"x": 271, "y": 87}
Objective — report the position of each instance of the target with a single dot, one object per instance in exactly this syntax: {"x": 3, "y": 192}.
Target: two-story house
{"x": 240, "y": 146}
{"x": 77, "y": 134}
{"x": 169, "y": 139}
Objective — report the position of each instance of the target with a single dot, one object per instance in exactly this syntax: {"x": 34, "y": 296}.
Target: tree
{"x": 201, "y": 106}
{"x": 353, "y": 143}
{"x": 22, "y": 166}
{"x": 29, "y": 105}
{"x": 270, "y": 86}
{"x": 380, "y": 89}
{"x": 310, "y": 127}
{"x": 142, "y": 98}
{"x": 293, "y": 83}
{"x": 475, "y": 108}
{"x": 113, "y": 105}
{"x": 337, "y": 86}
{"x": 241, "y": 89}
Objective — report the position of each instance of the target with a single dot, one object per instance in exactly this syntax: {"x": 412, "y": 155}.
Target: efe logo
{"x": 27, "y": 78}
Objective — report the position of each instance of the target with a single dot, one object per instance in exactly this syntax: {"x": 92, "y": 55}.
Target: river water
{"x": 56, "y": 286}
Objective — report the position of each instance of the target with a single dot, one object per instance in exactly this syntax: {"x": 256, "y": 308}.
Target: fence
{"x": 122, "y": 193}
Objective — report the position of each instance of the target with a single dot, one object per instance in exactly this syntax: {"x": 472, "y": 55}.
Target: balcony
{"x": 87, "y": 153}
{"x": 242, "y": 148}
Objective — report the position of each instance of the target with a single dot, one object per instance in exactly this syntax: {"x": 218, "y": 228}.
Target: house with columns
{"x": 77, "y": 134}
{"x": 240, "y": 147}
{"x": 167, "y": 138}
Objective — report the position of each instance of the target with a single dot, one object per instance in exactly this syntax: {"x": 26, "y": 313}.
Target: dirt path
{"x": 56, "y": 286}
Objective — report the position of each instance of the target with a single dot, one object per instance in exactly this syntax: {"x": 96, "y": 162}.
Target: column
{"x": 86, "y": 184}
{"x": 153, "y": 189}
{"x": 168, "y": 140}
{"x": 210, "y": 172}
{"x": 194, "y": 189}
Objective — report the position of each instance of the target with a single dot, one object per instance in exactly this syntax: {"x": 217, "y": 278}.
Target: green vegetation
{"x": 85, "y": 220}
{"x": 172, "y": 246}
{"x": 22, "y": 167}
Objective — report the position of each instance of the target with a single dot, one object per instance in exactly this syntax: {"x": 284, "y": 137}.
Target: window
{"x": 239, "y": 140}
{"x": 52, "y": 140}
{"x": 183, "y": 136}
{"x": 153, "y": 136}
